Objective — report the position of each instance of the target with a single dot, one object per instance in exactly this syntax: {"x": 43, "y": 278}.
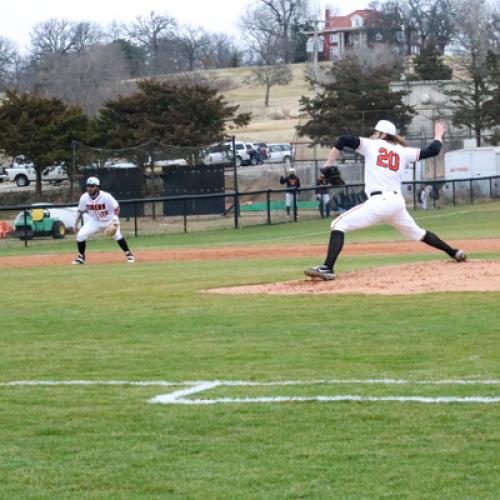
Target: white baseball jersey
{"x": 384, "y": 167}
{"x": 102, "y": 208}
{"x": 385, "y": 164}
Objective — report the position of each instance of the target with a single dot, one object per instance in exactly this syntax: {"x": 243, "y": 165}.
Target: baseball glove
{"x": 332, "y": 176}
{"x": 111, "y": 228}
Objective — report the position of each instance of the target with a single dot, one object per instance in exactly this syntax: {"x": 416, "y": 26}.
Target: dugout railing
{"x": 267, "y": 207}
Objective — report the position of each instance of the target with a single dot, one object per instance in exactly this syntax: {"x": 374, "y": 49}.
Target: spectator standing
{"x": 292, "y": 182}
{"x": 323, "y": 196}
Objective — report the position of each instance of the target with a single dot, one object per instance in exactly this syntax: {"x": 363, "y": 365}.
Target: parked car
{"x": 112, "y": 164}
{"x": 280, "y": 153}
{"x": 243, "y": 156}
{"x": 24, "y": 174}
{"x": 217, "y": 154}
{"x": 3, "y": 174}
{"x": 221, "y": 153}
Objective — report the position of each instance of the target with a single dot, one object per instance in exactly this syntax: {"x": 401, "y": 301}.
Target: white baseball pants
{"x": 388, "y": 208}
{"x": 289, "y": 199}
{"x": 325, "y": 198}
{"x": 95, "y": 226}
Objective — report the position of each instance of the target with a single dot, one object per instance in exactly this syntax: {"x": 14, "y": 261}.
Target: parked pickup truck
{"x": 23, "y": 174}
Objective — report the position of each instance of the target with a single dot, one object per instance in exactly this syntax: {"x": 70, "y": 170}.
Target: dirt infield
{"x": 408, "y": 279}
{"x": 247, "y": 252}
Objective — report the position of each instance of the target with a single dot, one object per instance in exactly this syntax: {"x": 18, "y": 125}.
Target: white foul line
{"x": 160, "y": 383}
{"x": 325, "y": 399}
{"x": 179, "y": 397}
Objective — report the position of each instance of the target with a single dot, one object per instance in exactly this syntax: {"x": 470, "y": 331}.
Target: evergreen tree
{"x": 356, "y": 99}
{"x": 429, "y": 65}
{"x": 41, "y": 129}
{"x": 178, "y": 115}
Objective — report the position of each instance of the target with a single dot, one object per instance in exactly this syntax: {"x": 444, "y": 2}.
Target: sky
{"x": 18, "y": 16}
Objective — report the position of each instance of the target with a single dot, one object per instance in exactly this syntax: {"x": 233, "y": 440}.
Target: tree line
{"x": 85, "y": 63}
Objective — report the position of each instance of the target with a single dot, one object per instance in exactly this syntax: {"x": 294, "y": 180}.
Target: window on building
{"x": 357, "y": 21}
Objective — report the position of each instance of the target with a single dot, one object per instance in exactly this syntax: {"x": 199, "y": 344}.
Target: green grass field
{"x": 150, "y": 322}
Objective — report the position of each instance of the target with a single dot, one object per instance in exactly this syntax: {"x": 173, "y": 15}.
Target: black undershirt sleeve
{"x": 433, "y": 149}
{"x": 347, "y": 141}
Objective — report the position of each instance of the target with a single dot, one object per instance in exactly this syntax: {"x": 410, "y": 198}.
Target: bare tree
{"x": 86, "y": 35}
{"x": 272, "y": 18}
{"x": 8, "y": 60}
{"x": 281, "y": 14}
{"x": 222, "y": 52}
{"x": 470, "y": 101}
{"x": 270, "y": 76}
{"x": 55, "y": 36}
{"x": 434, "y": 20}
{"x": 60, "y": 37}
{"x": 148, "y": 32}
{"x": 87, "y": 79}
{"x": 262, "y": 43}
{"x": 115, "y": 31}
{"x": 417, "y": 23}
{"x": 194, "y": 44}
{"x": 265, "y": 47}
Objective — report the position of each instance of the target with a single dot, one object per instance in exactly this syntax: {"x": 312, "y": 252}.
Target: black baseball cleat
{"x": 130, "y": 257}
{"x": 460, "y": 256}
{"x": 320, "y": 272}
{"x": 79, "y": 261}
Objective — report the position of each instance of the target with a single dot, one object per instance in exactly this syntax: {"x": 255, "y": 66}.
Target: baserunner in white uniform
{"x": 103, "y": 211}
{"x": 386, "y": 158}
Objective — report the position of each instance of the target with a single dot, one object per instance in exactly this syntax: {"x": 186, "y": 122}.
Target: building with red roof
{"x": 342, "y": 33}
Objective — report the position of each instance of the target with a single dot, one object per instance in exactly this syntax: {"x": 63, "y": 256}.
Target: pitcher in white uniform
{"x": 386, "y": 158}
{"x": 103, "y": 210}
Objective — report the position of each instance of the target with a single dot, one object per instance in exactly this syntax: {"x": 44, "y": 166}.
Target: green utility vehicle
{"x": 38, "y": 222}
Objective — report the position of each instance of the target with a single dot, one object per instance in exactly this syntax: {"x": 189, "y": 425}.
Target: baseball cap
{"x": 93, "y": 181}
{"x": 386, "y": 127}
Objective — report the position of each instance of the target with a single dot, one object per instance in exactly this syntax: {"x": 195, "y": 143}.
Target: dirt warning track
{"x": 247, "y": 252}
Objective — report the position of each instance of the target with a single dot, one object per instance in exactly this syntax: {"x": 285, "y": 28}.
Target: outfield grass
{"x": 150, "y": 322}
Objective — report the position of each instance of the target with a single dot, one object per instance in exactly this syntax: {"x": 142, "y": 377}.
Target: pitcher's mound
{"x": 428, "y": 277}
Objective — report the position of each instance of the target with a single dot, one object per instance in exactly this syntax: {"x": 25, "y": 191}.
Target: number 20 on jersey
{"x": 388, "y": 159}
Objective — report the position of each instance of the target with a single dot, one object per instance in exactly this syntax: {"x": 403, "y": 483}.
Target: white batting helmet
{"x": 93, "y": 181}
{"x": 292, "y": 170}
{"x": 386, "y": 127}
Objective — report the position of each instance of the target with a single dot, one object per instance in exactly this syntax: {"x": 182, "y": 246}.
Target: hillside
{"x": 278, "y": 121}
{"x": 275, "y": 123}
